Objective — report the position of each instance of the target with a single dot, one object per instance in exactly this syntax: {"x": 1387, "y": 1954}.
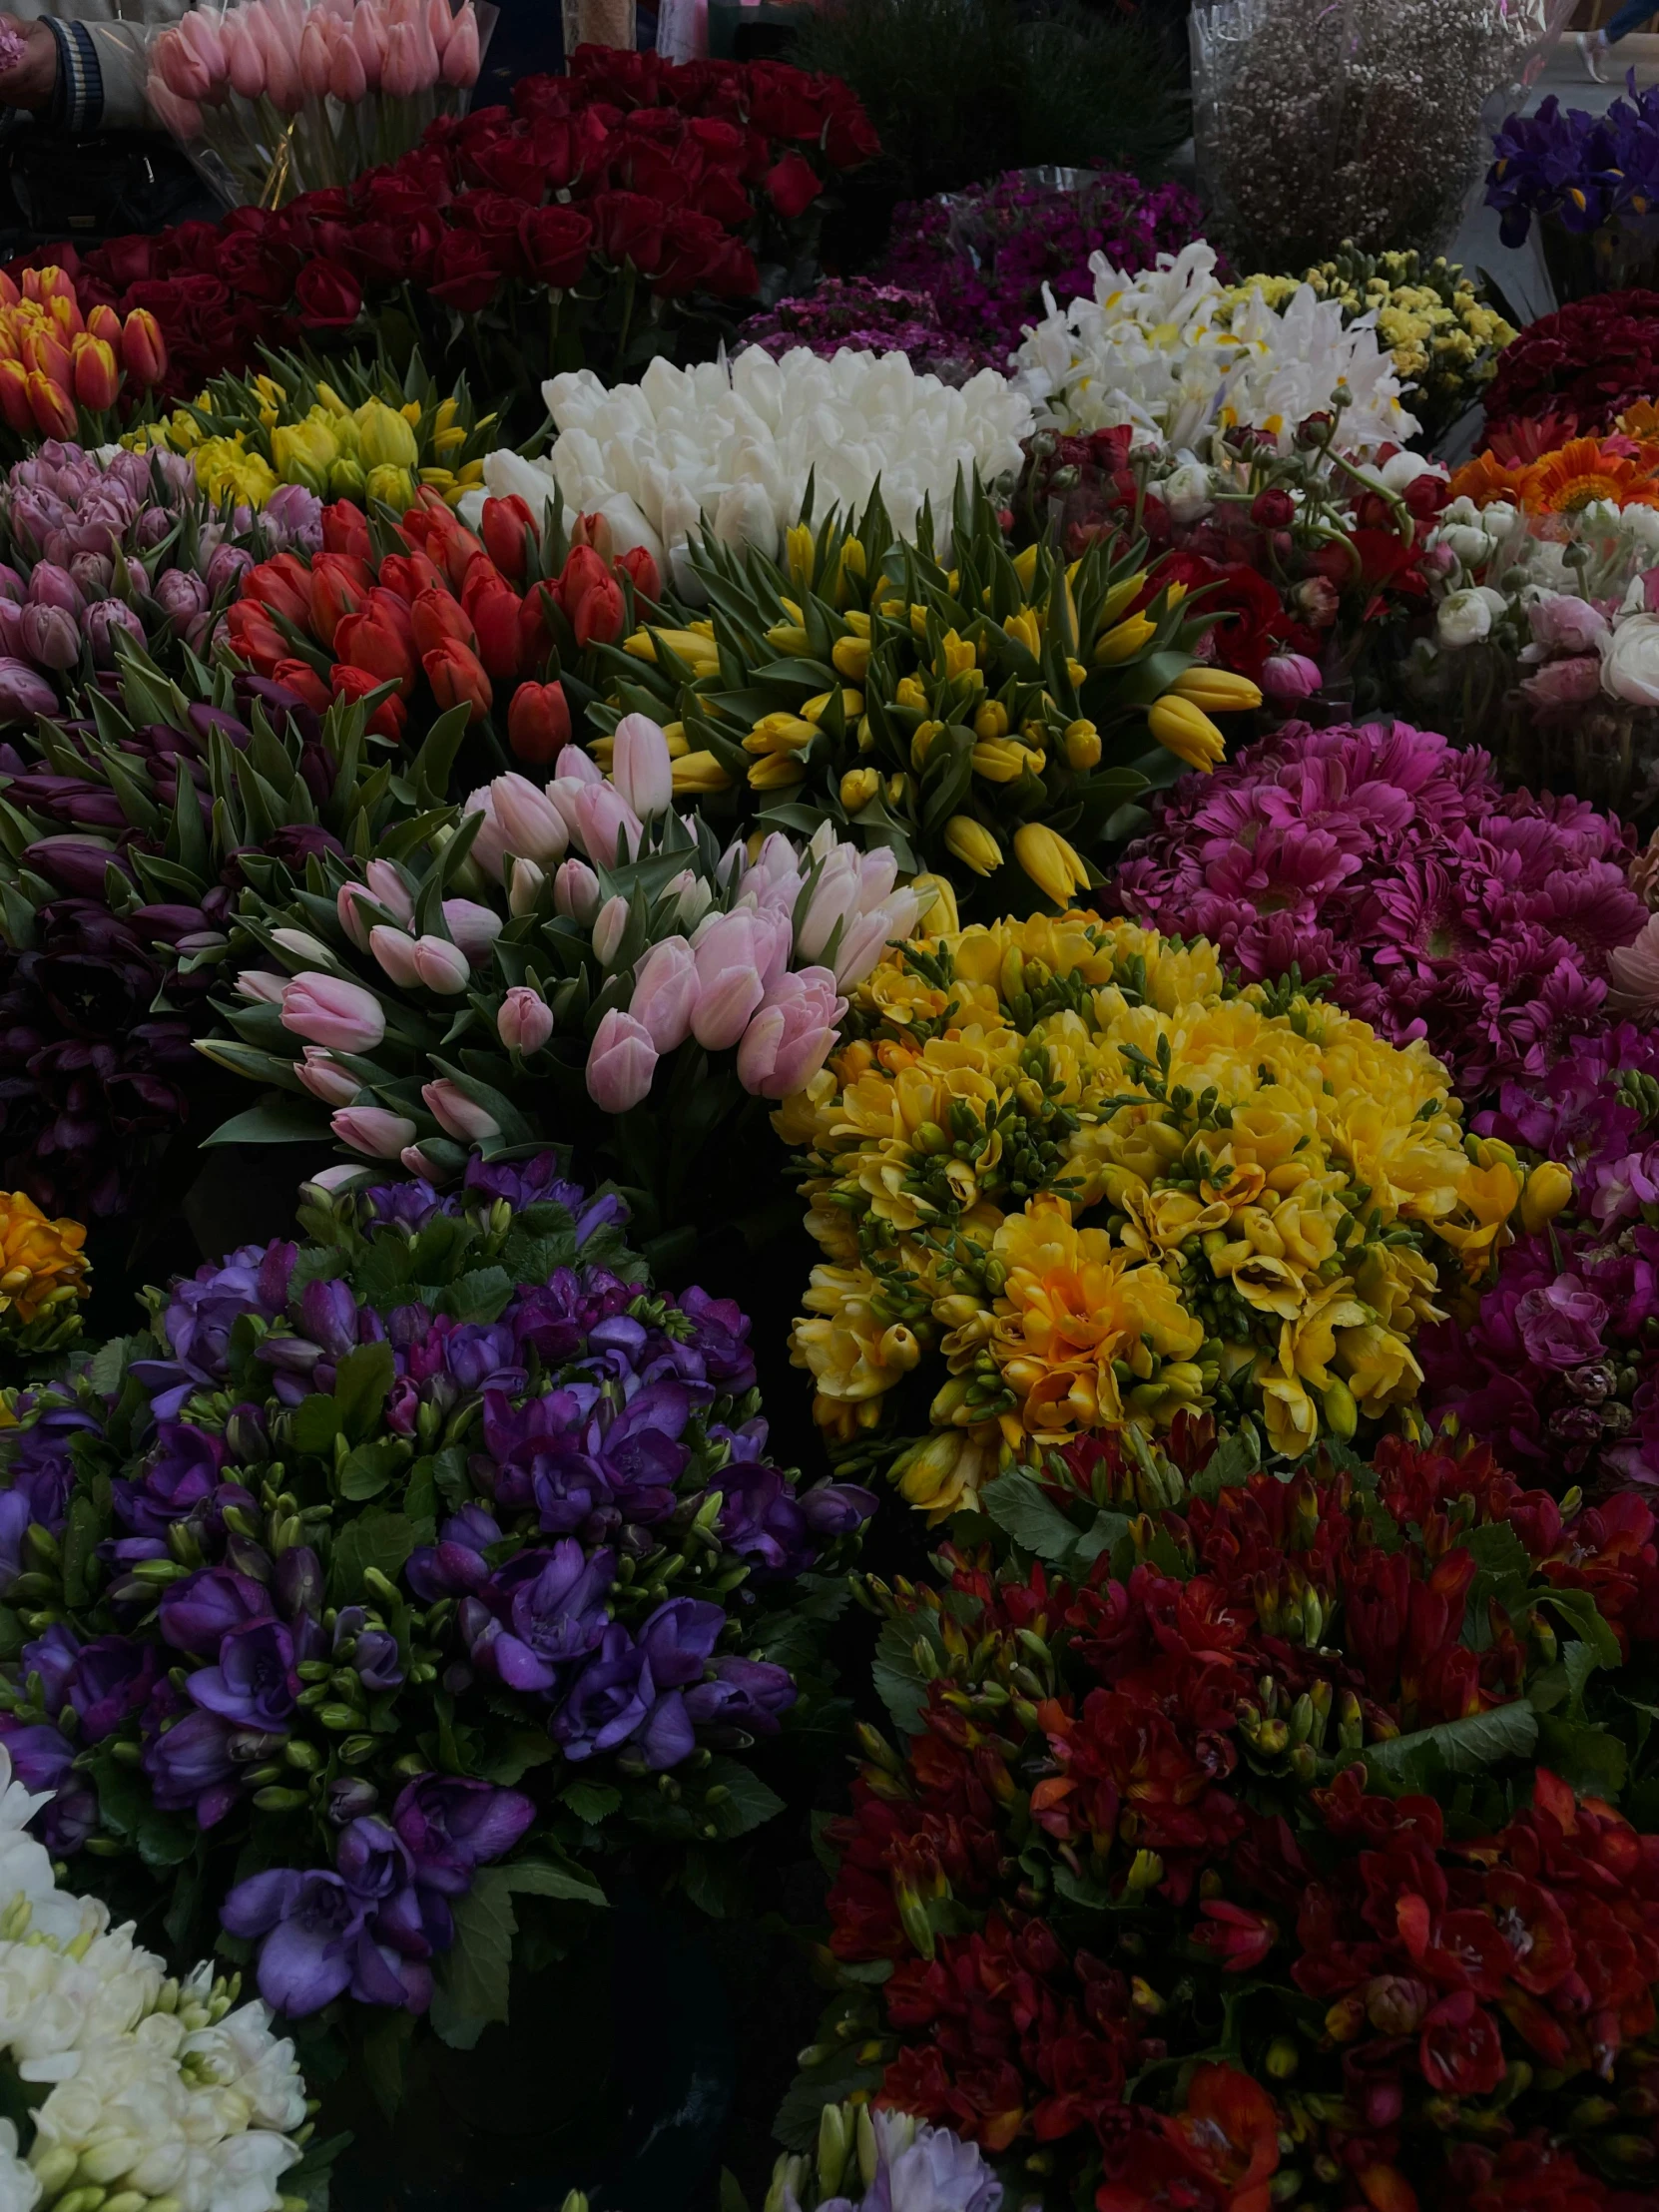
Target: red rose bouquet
{"x": 1581, "y": 367}
{"x": 1259, "y": 1842}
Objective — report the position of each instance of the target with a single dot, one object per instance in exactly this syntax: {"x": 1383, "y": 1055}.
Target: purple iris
{"x": 254, "y": 1683}
{"x": 555, "y": 1603}
{"x": 452, "y": 1824}
{"x": 197, "y": 1614}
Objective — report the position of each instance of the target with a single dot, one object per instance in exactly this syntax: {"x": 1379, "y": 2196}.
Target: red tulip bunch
{"x": 624, "y": 189}
{"x": 502, "y": 625}
{"x": 1256, "y": 1841}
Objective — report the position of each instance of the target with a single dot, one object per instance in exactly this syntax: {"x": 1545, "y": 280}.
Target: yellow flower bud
{"x": 1186, "y": 732}
{"x": 776, "y": 772}
{"x": 957, "y": 655}
{"x": 1548, "y": 1190}
{"x": 921, "y": 742}
{"x": 1025, "y": 566}
{"x": 698, "y": 772}
{"x": 385, "y": 438}
{"x": 898, "y": 791}
{"x": 1122, "y": 594}
{"x": 909, "y": 691}
{"x": 972, "y": 843}
{"x": 798, "y": 555}
{"x": 992, "y": 721}
{"x": 1082, "y": 742}
{"x": 674, "y": 734}
{"x": 1025, "y": 628}
{"x": 942, "y": 918}
{"x": 1051, "y": 864}
{"x": 392, "y": 486}
{"x": 1000, "y": 760}
{"x": 1123, "y": 641}
{"x": 852, "y": 658}
{"x": 1217, "y": 690}
{"x": 1341, "y": 1415}
{"x": 780, "y": 733}
{"x": 858, "y": 787}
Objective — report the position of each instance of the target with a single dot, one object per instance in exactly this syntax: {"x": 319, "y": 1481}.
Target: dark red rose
{"x": 555, "y": 242}
{"x": 124, "y": 261}
{"x": 385, "y": 252}
{"x": 701, "y": 255}
{"x": 850, "y": 137}
{"x": 179, "y": 301}
{"x": 468, "y": 273}
{"x": 493, "y": 216}
{"x": 511, "y": 163}
{"x": 793, "y": 184}
{"x": 782, "y": 103}
{"x": 327, "y": 295}
{"x": 659, "y": 172}
{"x": 628, "y": 226}
{"x": 718, "y": 141}
{"x": 720, "y": 193}
{"x": 255, "y": 269}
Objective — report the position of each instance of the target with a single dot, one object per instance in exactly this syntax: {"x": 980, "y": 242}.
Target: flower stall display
{"x": 1321, "y": 128}
{"x": 1429, "y": 901}
{"x": 1215, "y": 1865}
{"x": 983, "y": 722}
{"x": 735, "y": 447}
{"x": 1442, "y": 334}
{"x": 523, "y": 970}
{"x": 1555, "y": 1364}
{"x": 1573, "y": 374}
{"x": 1585, "y": 179}
{"x": 1171, "y": 352}
{"x": 278, "y": 96}
{"x": 127, "y": 2085}
{"x": 865, "y": 2157}
{"x": 360, "y": 434}
{"x": 392, "y": 1580}
{"x": 1067, "y": 1182}
{"x": 65, "y": 361}
{"x": 612, "y": 214}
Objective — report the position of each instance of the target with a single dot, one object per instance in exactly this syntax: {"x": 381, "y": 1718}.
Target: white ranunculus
{"x": 1188, "y": 491}
{"x": 1630, "y": 660}
{"x": 1464, "y": 617}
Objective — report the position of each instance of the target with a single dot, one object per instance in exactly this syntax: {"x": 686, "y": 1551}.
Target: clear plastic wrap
{"x": 278, "y": 96}
{"x": 1323, "y": 121}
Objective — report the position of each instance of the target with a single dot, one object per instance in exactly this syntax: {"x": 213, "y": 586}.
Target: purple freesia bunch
{"x": 1557, "y": 1365}
{"x": 401, "y": 1558}
{"x": 1436, "y": 904}
{"x": 1581, "y": 169}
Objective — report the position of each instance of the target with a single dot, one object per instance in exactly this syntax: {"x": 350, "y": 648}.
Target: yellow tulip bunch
{"x": 984, "y": 716}
{"x": 43, "y": 1276}
{"x": 366, "y": 436}
{"x": 1064, "y": 1179}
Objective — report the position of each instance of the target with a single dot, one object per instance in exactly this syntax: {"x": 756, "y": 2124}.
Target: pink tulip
{"x": 602, "y": 817}
{"x": 575, "y": 765}
{"x": 868, "y": 937}
{"x": 457, "y": 1115}
{"x": 791, "y": 1037}
{"x": 665, "y": 992}
{"x": 182, "y": 118}
{"x": 609, "y": 925}
{"x": 473, "y": 928}
{"x": 576, "y": 893}
{"x": 835, "y": 898}
{"x": 402, "y": 75}
{"x": 263, "y": 987}
{"x": 417, "y": 1164}
{"x": 641, "y": 767}
{"x": 202, "y": 33}
{"x": 368, "y": 36}
{"x": 372, "y": 1130}
{"x": 733, "y": 954}
{"x": 316, "y": 58}
{"x": 281, "y": 50}
{"x": 442, "y": 966}
{"x": 524, "y": 1021}
{"x": 244, "y": 59}
{"x": 490, "y": 843}
{"x": 325, "y": 1079}
{"x": 1288, "y": 677}
{"x": 461, "y": 56}
{"x": 347, "y": 78}
{"x": 385, "y": 883}
{"x": 386, "y": 888}
{"x": 532, "y": 827}
{"x": 528, "y": 884}
{"x": 395, "y": 951}
{"x": 326, "y": 1009}
{"x": 621, "y": 1062}
{"x": 327, "y": 1181}
{"x": 439, "y": 22}
{"x": 175, "y": 64}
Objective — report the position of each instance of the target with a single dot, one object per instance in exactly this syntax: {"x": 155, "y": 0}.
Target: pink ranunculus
{"x": 1288, "y": 677}
{"x": 457, "y": 1115}
{"x": 524, "y": 1021}
{"x": 665, "y": 992}
{"x": 792, "y": 1036}
{"x": 373, "y": 1130}
{"x": 621, "y": 1062}
{"x": 1568, "y": 683}
{"x": 1565, "y": 622}
{"x": 329, "y": 1010}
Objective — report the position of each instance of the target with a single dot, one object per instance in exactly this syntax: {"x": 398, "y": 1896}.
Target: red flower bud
{"x": 599, "y": 617}
{"x": 641, "y": 570}
{"x": 300, "y": 677}
{"x": 504, "y": 525}
{"x": 339, "y": 585}
{"x": 582, "y": 570}
{"x": 371, "y": 641}
{"x": 390, "y": 719}
{"x": 345, "y": 530}
{"x": 1273, "y": 510}
{"x": 538, "y": 723}
{"x": 284, "y": 584}
{"x": 254, "y": 638}
{"x": 436, "y": 616}
{"x": 495, "y": 617}
{"x": 143, "y": 348}
{"x": 409, "y": 574}
{"x": 457, "y": 679}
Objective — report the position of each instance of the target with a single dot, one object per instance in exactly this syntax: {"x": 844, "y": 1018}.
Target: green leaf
{"x": 164, "y": 1840}
{"x": 383, "y": 2048}
{"x": 591, "y": 1800}
{"x": 731, "y": 2198}
{"x": 1016, "y": 1503}
{"x": 109, "y": 1365}
{"x": 1469, "y": 1746}
{"x": 376, "y": 1539}
{"x": 123, "y": 1795}
{"x": 1234, "y": 1461}
{"x": 513, "y": 1755}
{"x": 745, "y": 1801}
{"x": 470, "y": 1980}
{"x": 82, "y": 1530}
{"x": 1589, "y": 1761}
{"x": 362, "y": 1383}
{"x": 899, "y": 1682}
{"x": 277, "y": 1120}
{"x": 481, "y": 1296}
{"x": 541, "y": 1877}
{"x": 1579, "y": 1609}
{"x": 315, "y": 1422}
{"x": 367, "y": 1469}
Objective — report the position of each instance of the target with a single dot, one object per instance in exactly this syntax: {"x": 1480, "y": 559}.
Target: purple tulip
{"x": 609, "y": 1700}
{"x": 197, "y": 1614}
{"x": 23, "y": 693}
{"x": 292, "y": 516}
{"x": 108, "y": 622}
{"x": 254, "y": 1683}
{"x": 49, "y": 636}
{"x": 52, "y": 586}
{"x": 12, "y": 586}
{"x": 180, "y": 595}
{"x": 93, "y": 573}
{"x": 227, "y": 567}
{"x": 452, "y": 1825}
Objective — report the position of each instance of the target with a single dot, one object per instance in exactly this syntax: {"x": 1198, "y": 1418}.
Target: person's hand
{"x": 31, "y": 81}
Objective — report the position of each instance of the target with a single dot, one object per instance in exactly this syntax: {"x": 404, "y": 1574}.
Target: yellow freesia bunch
{"x": 366, "y": 436}
{"x": 1064, "y": 1178}
{"x": 984, "y": 717}
{"x": 43, "y": 1274}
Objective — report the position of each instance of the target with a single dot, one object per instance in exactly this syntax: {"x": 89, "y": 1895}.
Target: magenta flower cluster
{"x": 1557, "y": 1369}
{"x": 1436, "y": 903}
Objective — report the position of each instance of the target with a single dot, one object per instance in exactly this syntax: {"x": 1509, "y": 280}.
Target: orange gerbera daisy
{"x": 1639, "y": 421}
{"x": 1486, "y": 479}
{"x": 1586, "y": 469}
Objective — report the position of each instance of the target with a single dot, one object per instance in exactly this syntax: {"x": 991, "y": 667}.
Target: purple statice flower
{"x": 1437, "y": 904}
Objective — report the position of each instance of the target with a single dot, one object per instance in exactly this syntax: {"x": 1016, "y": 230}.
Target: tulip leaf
{"x": 430, "y": 770}
{"x": 275, "y": 1120}
{"x": 362, "y": 1382}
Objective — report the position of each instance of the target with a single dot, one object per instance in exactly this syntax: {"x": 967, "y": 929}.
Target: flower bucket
{"x": 1606, "y": 753}
{"x": 1618, "y": 257}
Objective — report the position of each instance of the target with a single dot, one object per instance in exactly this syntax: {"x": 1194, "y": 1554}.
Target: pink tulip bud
{"x": 280, "y": 45}
{"x": 665, "y": 992}
{"x": 368, "y": 36}
{"x": 457, "y": 1115}
{"x": 395, "y": 951}
{"x": 532, "y": 827}
{"x": 302, "y": 946}
{"x": 461, "y": 56}
{"x": 608, "y": 926}
{"x": 473, "y": 928}
{"x": 325, "y": 1079}
{"x": 316, "y": 58}
{"x": 326, "y": 1010}
{"x": 244, "y": 59}
{"x": 263, "y": 988}
{"x": 602, "y": 819}
{"x": 641, "y": 767}
{"x": 729, "y": 985}
{"x": 417, "y": 1164}
{"x": 621, "y": 1062}
{"x": 327, "y": 1181}
{"x": 442, "y": 966}
{"x": 200, "y": 32}
{"x": 837, "y": 897}
{"x": 372, "y": 1130}
{"x": 524, "y": 1021}
{"x": 388, "y": 889}
{"x": 401, "y": 74}
{"x": 489, "y": 844}
{"x": 576, "y": 893}
{"x": 526, "y": 889}
{"x": 439, "y": 22}
{"x": 792, "y": 1036}
{"x": 576, "y": 766}
{"x": 868, "y": 937}
{"x": 347, "y": 78}
{"x": 1288, "y": 677}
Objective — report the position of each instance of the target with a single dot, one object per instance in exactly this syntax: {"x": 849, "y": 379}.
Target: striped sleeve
{"x": 78, "y": 103}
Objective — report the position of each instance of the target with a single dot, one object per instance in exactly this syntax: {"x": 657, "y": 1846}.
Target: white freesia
{"x": 735, "y": 443}
{"x": 19, "y": 2185}
{"x": 1171, "y": 352}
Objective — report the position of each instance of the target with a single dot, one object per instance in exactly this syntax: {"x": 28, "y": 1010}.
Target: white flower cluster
{"x": 161, "y": 2097}
{"x": 1172, "y": 353}
{"x": 736, "y": 444}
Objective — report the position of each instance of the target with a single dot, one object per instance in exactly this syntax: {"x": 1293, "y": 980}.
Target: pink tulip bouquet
{"x": 572, "y": 959}
{"x": 278, "y": 96}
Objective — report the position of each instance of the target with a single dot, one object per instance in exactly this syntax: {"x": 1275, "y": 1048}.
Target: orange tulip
{"x": 14, "y": 398}
{"x": 143, "y": 348}
{"x": 44, "y": 351}
{"x": 52, "y": 407}
{"x": 65, "y": 316}
{"x": 97, "y": 372}
{"x": 104, "y": 323}
{"x": 457, "y": 679}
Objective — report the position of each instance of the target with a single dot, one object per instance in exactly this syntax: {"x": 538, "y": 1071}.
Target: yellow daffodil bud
{"x": 1124, "y": 641}
{"x": 776, "y": 772}
{"x": 910, "y": 692}
{"x": 851, "y": 657}
{"x": 1051, "y": 864}
{"x": 780, "y": 733}
{"x": 972, "y": 843}
{"x": 1217, "y": 690}
{"x": 999, "y": 759}
{"x": 385, "y": 438}
{"x": 992, "y": 721}
{"x": 1186, "y": 732}
{"x": 798, "y": 550}
{"x": 942, "y": 918}
{"x": 858, "y": 787}
{"x": 1025, "y": 566}
{"x": 1082, "y": 743}
{"x": 1548, "y": 1190}
{"x": 697, "y": 773}
{"x": 921, "y": 742}
{"x": 1025, "y": 628}
{"x": 1122, "y": 594}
